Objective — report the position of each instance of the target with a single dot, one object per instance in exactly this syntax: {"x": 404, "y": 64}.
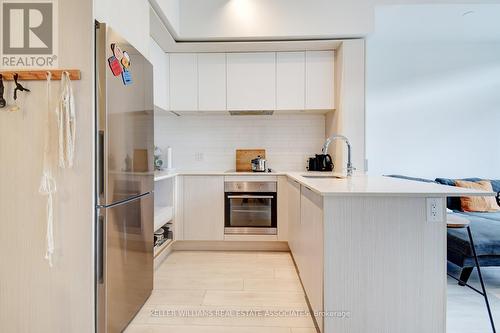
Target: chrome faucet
{"x": 329, "y": 140}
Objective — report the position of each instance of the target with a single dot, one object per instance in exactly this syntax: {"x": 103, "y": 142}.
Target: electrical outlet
{"x": 199, "y": 157}
{"x": 435, "y": 210}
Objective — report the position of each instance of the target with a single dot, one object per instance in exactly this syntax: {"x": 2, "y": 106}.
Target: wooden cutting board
{"x": 140, "y": 162}
{"x": 244, "y": 158}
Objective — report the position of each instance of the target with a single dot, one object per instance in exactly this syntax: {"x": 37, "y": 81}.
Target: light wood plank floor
{"x": 219, "y": 292}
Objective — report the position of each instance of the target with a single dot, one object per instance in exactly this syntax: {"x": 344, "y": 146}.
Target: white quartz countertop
{"x": 160, "y": 175}
{"x": 362, "y": 185}
{"x": 357, "y": 185}
{"x": 165, "y": 174}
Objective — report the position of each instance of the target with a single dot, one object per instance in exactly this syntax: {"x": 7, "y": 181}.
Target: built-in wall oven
{"x": 250, "y": 208}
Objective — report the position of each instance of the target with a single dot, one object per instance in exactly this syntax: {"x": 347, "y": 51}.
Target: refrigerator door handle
{"x": 100, "y": 162}
{"x": 100, "y": 250}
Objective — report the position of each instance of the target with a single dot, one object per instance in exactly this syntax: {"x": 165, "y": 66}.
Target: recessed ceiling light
{"x": 243, "y": 10}
{"x": 469, "y": 12}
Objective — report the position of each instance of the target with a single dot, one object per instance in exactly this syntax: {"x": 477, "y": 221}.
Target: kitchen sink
{"x": 322, "y": 176}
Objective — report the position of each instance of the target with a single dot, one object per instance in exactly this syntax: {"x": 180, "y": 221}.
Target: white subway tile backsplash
{"x": 288, "y": 139}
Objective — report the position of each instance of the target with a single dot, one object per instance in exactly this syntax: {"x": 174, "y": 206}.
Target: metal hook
{"x": 2, "y": 100}
{"x": 18, "y": 86}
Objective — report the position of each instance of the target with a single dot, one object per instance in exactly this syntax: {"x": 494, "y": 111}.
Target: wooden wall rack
{"x": 35, "y": 75}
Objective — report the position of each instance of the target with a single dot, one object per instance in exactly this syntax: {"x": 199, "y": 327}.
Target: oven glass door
{"x": 248, "y": 213}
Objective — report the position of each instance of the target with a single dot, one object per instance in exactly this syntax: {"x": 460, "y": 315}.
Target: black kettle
{"x": 321, "y": 162}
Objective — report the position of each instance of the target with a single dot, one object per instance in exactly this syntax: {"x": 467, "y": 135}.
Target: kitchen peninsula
{"x": 369, "y": 250}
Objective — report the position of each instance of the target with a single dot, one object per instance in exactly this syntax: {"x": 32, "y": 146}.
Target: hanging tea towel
{"x": 66, "y": 122}
{"x": 48, "y": 183}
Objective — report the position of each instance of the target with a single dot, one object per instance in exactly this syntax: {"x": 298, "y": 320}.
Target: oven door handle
{"x": 250, "y": 197}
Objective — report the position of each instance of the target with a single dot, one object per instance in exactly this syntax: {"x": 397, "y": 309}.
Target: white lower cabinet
{"x": 311, "y": 236}
{"x": 306, "y": 241}
{"x": 203, "y": 207}
{"x": 294, "y": 219}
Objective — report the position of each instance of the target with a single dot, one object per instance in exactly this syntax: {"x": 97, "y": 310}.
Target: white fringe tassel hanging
{"x": 66, "y": 122}
{"x": 48, "y": 183}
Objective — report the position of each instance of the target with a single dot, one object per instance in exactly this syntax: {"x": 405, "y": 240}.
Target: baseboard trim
{"x": 185, "y": 245}
{"x": 251, "y": 238}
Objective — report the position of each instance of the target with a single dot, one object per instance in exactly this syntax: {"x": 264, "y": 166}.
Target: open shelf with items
{"x": 164, "y": 216}
{"x": 164, "y": 237}
{"x": 160, "y": 247}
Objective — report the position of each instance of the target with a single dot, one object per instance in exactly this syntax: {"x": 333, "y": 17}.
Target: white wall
{"x": 433, "y": 107}
{"x": 288, "y": 139}
{"x": 348, "y": 118}
{"x": 34, "y": 297}
{"x": 130, "y": 18}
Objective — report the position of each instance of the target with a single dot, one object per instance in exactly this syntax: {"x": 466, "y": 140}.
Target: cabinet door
{"x": 294, "y": 218}
{"x": 311, "y": 207}
{"x": 183, "y": 82}
{"x": 211, "y": 81}
{"x": 320, "y": 80}
{"x": 251, "y": 81}
{"x": 160, "y": 61}
{"x": 203, "y": 207}
{"x": 290, "y": 80}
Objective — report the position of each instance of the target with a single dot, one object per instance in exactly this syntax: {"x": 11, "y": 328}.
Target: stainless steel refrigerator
{"x": 124, "y": 181}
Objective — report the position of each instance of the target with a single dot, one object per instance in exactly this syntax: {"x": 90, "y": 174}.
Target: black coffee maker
{"x": 321, "y": 162}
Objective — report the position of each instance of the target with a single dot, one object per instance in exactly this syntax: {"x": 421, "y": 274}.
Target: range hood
{"x": 252, "y": 113}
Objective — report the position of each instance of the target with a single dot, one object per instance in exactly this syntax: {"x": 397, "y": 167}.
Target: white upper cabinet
{"x": 320, "y": 80}
{"x": 251, "y": 81}
{"x": 244, "y": 81}
{"x": 290, "y": 81}
{"x": 160, "y": 61}
{"x": 183, "y": 82}
{"x": 211, "y": 81}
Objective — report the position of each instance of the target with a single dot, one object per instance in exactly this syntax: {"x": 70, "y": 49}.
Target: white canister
{"x": 169, "y": 158}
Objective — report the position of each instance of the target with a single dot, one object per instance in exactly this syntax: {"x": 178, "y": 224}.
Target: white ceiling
{"x": 163, "y": 37}
{"x": 257, "y": 20}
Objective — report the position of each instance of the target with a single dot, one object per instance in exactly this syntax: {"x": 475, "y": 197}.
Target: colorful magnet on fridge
{"x": 125, "y": 60}
{"x": 115, "y": 66}
{"x": 117, "y": 51}
{"x": 126, "y": 77}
